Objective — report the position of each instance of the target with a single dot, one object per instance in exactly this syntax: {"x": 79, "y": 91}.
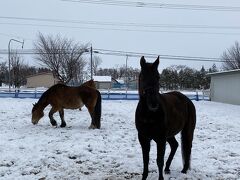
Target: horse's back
{"x": 176, "y": 98}
{"x": 71, "y": 97}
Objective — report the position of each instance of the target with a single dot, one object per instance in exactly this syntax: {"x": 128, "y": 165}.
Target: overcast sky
{"x": 160, "y": 41}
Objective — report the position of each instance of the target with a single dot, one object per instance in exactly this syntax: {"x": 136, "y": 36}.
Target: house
{"x": 118, "y": 83}
{"x": 225, "y": 86}
{"x": 45, "y": 79}
{"x": 103, "y": 82}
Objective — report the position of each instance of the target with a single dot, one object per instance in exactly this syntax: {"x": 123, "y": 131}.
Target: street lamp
{"x": 9, "y": 64}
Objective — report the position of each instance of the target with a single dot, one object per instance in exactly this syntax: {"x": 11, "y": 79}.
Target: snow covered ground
{"x": 113, "y": 152}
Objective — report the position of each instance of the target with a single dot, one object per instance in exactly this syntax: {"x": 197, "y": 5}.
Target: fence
{"x": 106, "y": 95}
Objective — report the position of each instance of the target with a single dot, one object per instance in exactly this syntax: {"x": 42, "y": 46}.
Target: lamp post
{"x": 9, "y": 59}
{"x": 91, "y": 62}
{"x": 126, "y": 75}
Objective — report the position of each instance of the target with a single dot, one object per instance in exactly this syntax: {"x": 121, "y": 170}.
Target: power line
{"x": 123, "y": 29}
{"x": 129, "y": 24}
{"x": 142, "y": 4}
{"x": 149, "y": 55}
{"x": 11, "y": 35}
{"x": 130, "y": 54}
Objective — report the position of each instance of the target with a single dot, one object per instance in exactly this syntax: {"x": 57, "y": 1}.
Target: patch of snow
{"x": 40, "y": 151}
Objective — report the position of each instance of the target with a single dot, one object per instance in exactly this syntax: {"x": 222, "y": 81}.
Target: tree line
{"x": 174, "y": 77}
{"x": 67, "y": 61}
{"x": 19, "y": 72}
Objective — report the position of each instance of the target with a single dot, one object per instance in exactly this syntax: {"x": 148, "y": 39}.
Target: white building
{"x": 45, "y": 79}
{"x": 225, "y": 87}
{"x": 103, "y": 82}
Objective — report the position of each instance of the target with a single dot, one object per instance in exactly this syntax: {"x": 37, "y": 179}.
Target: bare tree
{"x": 18, "y": 69}
{"x": 95, "y": 64}
{"x": 231, "y": 57}
{"x": 3, "y": 72}
{"x": 61, "y": 55}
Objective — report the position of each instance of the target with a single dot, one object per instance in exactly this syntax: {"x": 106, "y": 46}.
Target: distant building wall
{"x": 225, "y": 87}
{"x": 103, "y": 85}
{"x": 103, "y": 82}
{"x": 41, "y": 80}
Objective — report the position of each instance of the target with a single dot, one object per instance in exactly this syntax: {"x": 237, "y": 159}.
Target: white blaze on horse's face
{"x": 36, "y": 114}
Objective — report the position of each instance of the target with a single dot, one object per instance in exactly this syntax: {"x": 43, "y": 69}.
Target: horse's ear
{"x": 156, "y": 63}
{"x": 142, "y": 61}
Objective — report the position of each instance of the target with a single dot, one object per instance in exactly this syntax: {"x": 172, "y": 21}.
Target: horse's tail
{"x": 98, "y": 110}
{"x": 187, "y": 135}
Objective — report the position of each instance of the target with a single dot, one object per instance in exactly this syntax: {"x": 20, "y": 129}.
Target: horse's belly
{"x": 174, "y": 126}
{"x": 76, "y": 104}
{"x": 173, "y": 132}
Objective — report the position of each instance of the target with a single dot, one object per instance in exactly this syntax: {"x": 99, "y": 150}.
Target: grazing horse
{"x": 160, "y": 117}
{"x": 62, "y": 97}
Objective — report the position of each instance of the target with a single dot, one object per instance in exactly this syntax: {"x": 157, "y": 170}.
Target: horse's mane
{"x": 44, "y": 97}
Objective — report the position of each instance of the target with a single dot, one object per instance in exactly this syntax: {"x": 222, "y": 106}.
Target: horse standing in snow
{"x": 62, "y": 97}
{"x": 160, "y": 117}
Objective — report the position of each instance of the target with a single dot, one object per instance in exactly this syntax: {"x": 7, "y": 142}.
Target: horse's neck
{"x": 43, "y": 102}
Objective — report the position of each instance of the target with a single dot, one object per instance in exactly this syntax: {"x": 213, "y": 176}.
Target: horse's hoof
{"x": 167, "y": 171}
{"x": 54, "y": 123}
{"x": 92, "y": 126}
{"x": 184, "y": 171}
{"x": 63, "y": 125}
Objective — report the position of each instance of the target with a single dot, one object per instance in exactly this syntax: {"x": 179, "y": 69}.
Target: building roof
{"x": 102, "y": 78}
{"x": 42, "y": 73}
{"x": 224, "y": 72}
{"x": 119, "y": 81}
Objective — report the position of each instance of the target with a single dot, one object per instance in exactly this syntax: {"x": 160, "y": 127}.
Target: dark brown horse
{"x": 160, "y": 117}
{"x": 62, "y": 97}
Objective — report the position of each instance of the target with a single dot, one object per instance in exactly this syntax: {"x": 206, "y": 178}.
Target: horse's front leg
{"x": 161, "y": 145}
{"x": 145, "y": 144}
{"x": 61, "y": 114}
{"x": 50, "y": 115}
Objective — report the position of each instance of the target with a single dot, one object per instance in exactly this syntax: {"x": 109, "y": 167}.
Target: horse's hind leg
{"x": 61, "y": 114}
{"x": 174, "y": 145}
{"x": 94, "y": 109}
{"x": 91, "y": 112}
{"x": 50, "y": 115}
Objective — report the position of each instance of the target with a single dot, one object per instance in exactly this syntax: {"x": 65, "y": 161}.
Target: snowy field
{"x": 41, "y": 152}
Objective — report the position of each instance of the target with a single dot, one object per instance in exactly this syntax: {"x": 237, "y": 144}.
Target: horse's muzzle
{"x": 34, "y": 122}
{"x": 152, "y": 101}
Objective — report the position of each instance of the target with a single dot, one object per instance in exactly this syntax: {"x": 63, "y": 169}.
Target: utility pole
{"x": 91, "y": 64}
{"x": 126, "y": 76}
{"x": 9, "y": 61}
